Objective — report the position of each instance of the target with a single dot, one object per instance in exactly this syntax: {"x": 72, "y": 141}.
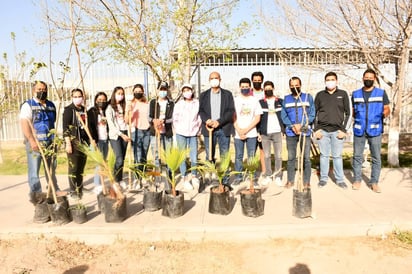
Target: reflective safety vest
{"x": 368, "y": 115}
{"x": 294, "y": 110}
{"x": 43, "y": 119}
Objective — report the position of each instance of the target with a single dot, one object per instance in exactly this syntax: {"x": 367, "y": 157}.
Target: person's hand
{"x": 296, "y": 128}
{"x": 125, "y": 138}
{"x": 69, "y": 149}
{"x": 215, "y": 124}
{"x": 341, "y": 134}
{"x": 318, "y": 134}
{"x": 34, "y": 146}
{"x": 259, "y": 138}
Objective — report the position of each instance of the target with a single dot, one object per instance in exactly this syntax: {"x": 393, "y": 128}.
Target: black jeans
{"x": 77, "y": 162}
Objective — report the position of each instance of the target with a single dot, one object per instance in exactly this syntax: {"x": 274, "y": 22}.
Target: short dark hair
{"x": 244, "y": 80}
{"x": 268, "y": 83}
{"x": 257, "y": 73}
{"x": 295, "y": 78}
{"x": 369, "y": 70}
{"x": 331, "y": 73}
{"x": 39, "y": 82}
{"x": 138, "y": 86}
{"x": 77, "y": 90}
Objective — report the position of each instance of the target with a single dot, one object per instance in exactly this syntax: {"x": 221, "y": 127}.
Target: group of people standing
{"x": 256, "y": 118}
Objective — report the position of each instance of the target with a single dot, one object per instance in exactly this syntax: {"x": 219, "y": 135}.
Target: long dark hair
{"x": 143, "y": 99}
{"x": 113, "y": 99}
{"x": 97, "y": 95}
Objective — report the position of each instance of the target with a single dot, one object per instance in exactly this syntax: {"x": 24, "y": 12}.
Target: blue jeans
{"x": 220, "y": 138}
{"x": 191, "y": 143}
{"x": 327, "y": 144}
{"x": 375, "y": 148}
{"x": 239, "y": 151}
{"x": 141, "y": 143}
{"x": 119, "y": 147}
{"x": 267, "y": 141}
{"x": 34, "y": 160}
{"x": 103, "y": 146}
{"x": 292, "y": 144}
{"x": 165, "y": 142}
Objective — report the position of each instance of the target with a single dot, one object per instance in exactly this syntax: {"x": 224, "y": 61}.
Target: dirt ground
{"x": 293, "y": 256}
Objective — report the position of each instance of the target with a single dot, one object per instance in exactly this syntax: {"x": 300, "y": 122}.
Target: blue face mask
{"x": 245, "y": 91}
{"x": 162, "y": 93}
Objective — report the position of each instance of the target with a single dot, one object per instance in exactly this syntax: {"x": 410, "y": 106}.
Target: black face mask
{"x": 245, "y": 91}
{"x": 368, "y": 83}
{"x": 295, "y": 91}
{"x": 269, "y": 92}
{"x": 138, "y": 95}
{"x": 101, "y": 105}
{"x": 41, "y": 95}
{"x": 257, "y": 85}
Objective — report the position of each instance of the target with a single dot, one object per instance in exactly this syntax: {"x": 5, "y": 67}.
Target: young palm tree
{"x": 250, "y": 167}
{"x": 173, "y": 157}
{"x": 221, "y": 169}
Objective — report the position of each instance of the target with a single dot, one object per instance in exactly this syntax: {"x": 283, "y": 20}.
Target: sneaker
{"x": 187, "y": 185}
{"x": 322, "y": 184}
{"x": 123, "y": 185}
{"x": 195, "y": 183}
{"x": 375, "y": 188}
{"x": 278, "y": 181}
{"x": 97, "y": 190}
{"x": 265, "y": 181}
{"x": 356, "y": 185}
{"x": 289, "y": 184}
{"x": 342, "y": 185}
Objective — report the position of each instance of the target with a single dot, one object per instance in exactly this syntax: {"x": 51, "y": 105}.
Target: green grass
{"x": 404, "y": 237}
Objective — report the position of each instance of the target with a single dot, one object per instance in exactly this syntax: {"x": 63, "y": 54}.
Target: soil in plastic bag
{"x": 302, "y": 203}
{"x": 115, "y": 211}
{"x": 219, "y": 202}
{"x": 173, "y": 205}
{"x": 59, "y": 212}
{"x": 252, "y": 203}
{"x": 79, "y": 215}
{"x": 41, "y": 213}
{"x": 152, "y": 200}
{"x": 100, "y": 203}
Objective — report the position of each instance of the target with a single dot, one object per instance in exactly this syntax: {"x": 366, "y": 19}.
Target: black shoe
{"x": 322, "y": 184}
{"x": 342, "y": 185}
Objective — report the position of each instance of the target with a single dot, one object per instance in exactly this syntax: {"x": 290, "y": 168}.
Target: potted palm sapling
{"x": 152, "y": 193}
{"x": 251, "y": 198}
{"x": 173, "y": 200}
{"x": 219, "y": 201}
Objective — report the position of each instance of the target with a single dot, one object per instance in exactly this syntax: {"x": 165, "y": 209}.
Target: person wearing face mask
{"x": 258, "y": 92}
{"x": 270, "y": 130}
{"x": 247, "y": 116}
{"x": 117, "y": 118}
{"x": 161, "y": 120}
{"x": 97, "y": 124}
{"x": 370, "y": 107}
{"x": 140, "y": 129}
{"x": 298, "y": 113}
{"x": 216, "y": 109}
{"x": 75, "y": 134}
{"x": 39, "y": 113}
{"x": 333, "y": 114}
{"x": 187, "y": 122}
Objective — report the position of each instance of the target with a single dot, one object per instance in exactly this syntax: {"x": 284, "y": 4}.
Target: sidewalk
{"x": 335, "y": 212}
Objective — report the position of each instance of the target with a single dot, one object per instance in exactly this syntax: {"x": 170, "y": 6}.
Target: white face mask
{"x": 214, "y": 83}
{"x": 129, "y": 97}
{"x": 77, "y": 101}
{"x": 330, "y": 85}
{"x": 187, "y": 94}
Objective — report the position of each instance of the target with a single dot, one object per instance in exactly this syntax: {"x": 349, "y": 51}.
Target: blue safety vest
{"x": 368, "y": 115}
{"x": 294, "y": 109}
{"x": 43, "y": 119}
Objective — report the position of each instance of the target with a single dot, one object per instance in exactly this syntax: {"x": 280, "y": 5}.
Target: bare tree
{"x": 163, "y": 35}
{"x": 379, "y": 29}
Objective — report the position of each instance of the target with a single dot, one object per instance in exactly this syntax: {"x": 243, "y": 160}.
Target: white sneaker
{"x": 278, "y": 181}
{"x": 195, "y": 183}
{"x": 123, "y": 185}
{"x": 136, "y": 185}
{"x": 187, "y": 185}
{"x": 97, "y": 190}
{"x": 265, "y": 181}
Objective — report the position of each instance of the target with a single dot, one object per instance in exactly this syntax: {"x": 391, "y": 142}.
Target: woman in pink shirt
{"x": 187, "y": 122}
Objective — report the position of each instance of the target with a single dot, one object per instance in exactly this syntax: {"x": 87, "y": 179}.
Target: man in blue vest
{"x": 370, "y": 107}
{"x": 37, "y": 119}
{"x": 298, "y": 113}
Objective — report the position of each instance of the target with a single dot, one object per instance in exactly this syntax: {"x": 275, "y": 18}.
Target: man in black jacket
{"x": 216, "y": 109}
{"x": 332, "y": 115}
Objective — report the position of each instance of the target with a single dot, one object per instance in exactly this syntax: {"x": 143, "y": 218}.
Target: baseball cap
{"x": 186, "y": 86}
{"x": 163, "y": 85}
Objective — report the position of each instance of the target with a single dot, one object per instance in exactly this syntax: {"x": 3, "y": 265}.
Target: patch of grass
{"x": 404, "y": 237}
